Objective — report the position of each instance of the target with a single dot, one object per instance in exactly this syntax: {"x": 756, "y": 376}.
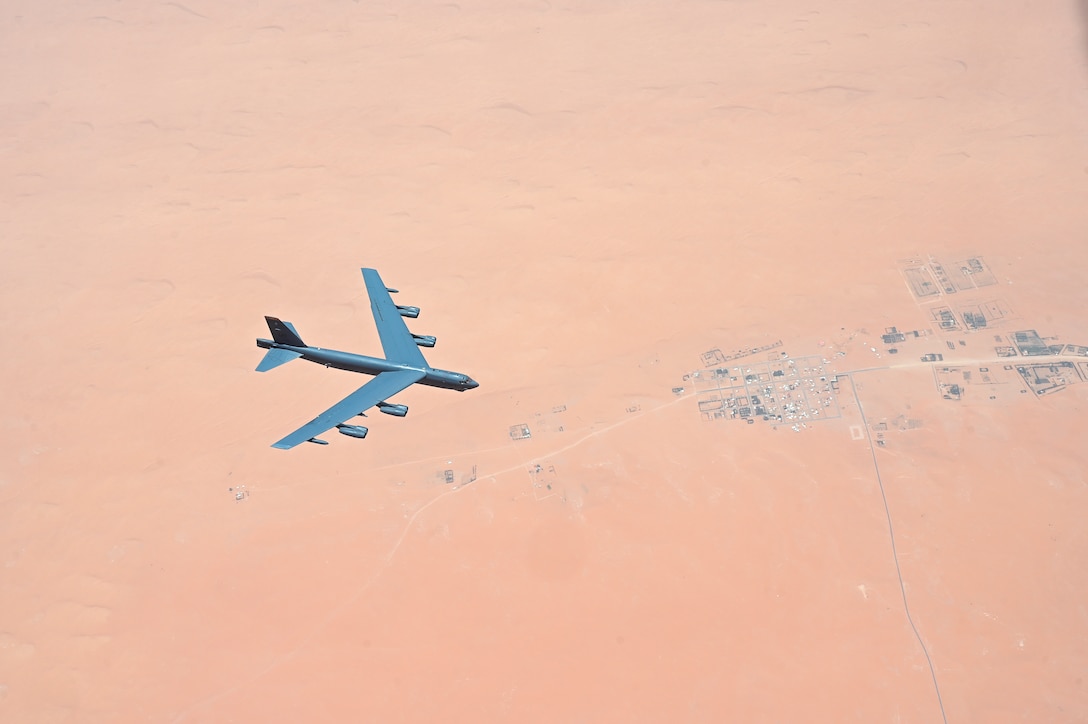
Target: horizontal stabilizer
{"x": 276, "y": 357}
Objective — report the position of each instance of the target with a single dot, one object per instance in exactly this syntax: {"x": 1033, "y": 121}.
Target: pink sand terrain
{"x": 586, "y": 200}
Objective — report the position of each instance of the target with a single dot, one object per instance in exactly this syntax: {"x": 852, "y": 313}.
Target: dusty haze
{"x": 591, "y": 203}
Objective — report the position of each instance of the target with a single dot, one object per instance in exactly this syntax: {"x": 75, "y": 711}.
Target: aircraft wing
{"x": 383, "y": 386}
{"x": 397, "y": 341}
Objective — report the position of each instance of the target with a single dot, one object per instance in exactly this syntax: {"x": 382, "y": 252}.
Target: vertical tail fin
{"x": 284, "y": 332}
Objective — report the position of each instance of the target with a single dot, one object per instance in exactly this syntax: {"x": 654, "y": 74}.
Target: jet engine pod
{"x": 406, "y": 311}
{"x": 395, "y": 410}
{"x": 425, "y": 340}
{"x": 352, "y": 430}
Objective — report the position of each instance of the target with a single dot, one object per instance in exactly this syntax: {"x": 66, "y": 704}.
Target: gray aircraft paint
{"x": 402, "y": 366}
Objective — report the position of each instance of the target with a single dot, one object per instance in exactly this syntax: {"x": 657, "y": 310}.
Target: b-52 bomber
{"x": 402, "y": 367}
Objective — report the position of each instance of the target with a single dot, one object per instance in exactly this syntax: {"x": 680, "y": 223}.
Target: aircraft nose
{"x": 471, "y": 384}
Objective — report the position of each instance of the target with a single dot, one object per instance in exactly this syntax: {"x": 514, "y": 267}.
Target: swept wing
{"x": 397, "y": 341}
{"x": 377, "y": 390}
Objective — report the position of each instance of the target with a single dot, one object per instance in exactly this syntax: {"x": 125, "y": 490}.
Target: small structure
{"x": 892, "y": 335}
{"x": 1030, "y": 343}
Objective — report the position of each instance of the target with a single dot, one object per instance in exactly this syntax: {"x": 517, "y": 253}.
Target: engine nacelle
{"x": 406, "y": 311}
{"x": 352, "y": 430}
{"x": 425, "y": 340}
{"x": 394, "y": 410}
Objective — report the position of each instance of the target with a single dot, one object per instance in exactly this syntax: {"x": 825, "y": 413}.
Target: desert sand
{"x": 595, "y": 205}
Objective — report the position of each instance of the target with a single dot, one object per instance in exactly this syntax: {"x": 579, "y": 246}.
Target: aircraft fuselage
{"x": 374, "y": 365}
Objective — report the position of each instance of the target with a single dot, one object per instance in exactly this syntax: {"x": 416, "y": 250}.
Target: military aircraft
{"x": 402, "y": 367}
